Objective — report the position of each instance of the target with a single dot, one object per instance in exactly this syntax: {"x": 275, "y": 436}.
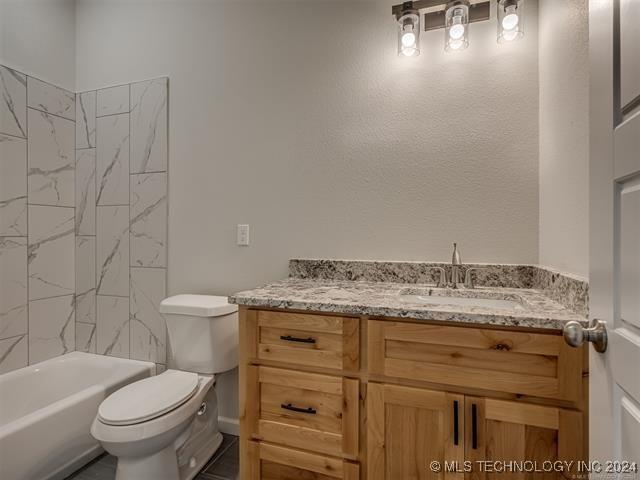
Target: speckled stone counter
{"x": 387, "y": 299}
{"x": 569, "y": 290}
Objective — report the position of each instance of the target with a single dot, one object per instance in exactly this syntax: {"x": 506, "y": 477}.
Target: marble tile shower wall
{"x": 37, "y": 278}
{"x": 83, "y": 220}
{"x": 121, "y": 220}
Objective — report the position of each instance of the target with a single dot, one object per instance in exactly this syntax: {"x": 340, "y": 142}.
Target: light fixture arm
{"x": 417, "y": 5}
{"x": 407, "y": 8}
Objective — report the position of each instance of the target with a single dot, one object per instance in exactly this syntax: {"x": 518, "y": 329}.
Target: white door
{"x": 614, "y": 45}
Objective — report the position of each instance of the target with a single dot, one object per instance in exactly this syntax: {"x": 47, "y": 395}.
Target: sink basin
{"x": 462, "y": 299}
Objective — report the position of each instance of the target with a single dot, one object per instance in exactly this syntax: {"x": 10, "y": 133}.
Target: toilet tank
{"x": 202, "y": 332}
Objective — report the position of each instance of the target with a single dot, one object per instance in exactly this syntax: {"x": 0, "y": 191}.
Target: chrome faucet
{"x": 456, "y": 272}
{"x": 456, "y": 264}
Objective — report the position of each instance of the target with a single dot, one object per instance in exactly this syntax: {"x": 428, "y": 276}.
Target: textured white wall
{"x": 564, "y": 135}
{"x": 37, "y": 37}
{"x": 299, "y": 118}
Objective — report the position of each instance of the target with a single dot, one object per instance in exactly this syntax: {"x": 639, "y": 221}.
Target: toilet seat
{"x": 147, "y": 399}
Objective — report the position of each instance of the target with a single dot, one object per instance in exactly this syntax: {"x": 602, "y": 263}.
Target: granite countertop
{"x": 382, "y": 299}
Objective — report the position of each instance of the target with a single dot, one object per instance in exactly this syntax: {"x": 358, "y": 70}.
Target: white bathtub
{"x": 46, "y": 412}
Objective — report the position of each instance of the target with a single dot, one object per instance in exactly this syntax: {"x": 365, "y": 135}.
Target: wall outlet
{"x": 243, "y": 235}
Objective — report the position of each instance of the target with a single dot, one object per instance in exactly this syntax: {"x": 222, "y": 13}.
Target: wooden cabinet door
{"x": 503, "y": 434}
{"x": 409, "y": 428}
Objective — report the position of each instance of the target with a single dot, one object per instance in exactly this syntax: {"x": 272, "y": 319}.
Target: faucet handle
{"x": 443, "y": 276}
{"x": 468, "y": 278}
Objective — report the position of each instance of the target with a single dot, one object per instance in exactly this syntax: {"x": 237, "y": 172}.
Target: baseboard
{"x": 230, "y": 426}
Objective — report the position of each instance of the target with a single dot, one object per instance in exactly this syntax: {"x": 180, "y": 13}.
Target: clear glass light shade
{"x": 456, "y": 36}
{"x": 409, "y": 34}
{"x": 510, "y": 20}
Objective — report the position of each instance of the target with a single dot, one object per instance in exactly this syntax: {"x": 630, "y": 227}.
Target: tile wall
{"x": 121, "y": 220}
{"x": 37, "y": 198}
{"x": 83, "y": 220}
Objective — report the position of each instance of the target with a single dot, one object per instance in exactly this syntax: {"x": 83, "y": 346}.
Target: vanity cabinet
{"x": 331, "y": 396}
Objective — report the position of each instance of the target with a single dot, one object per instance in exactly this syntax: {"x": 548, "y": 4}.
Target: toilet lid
{"x": 149, "y": 398}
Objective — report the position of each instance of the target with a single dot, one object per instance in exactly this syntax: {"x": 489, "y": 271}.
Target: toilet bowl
{"x": 166, "y": 427}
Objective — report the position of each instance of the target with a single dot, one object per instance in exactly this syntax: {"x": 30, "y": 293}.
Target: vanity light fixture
{"x": 456, "y": 32}
{"x": 408, "y": 31}
{"x": 510, "y": 20}
{"x": 453, "y": 16}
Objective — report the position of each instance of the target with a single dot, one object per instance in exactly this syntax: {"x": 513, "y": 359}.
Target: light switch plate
{"x": 243, "y": 235}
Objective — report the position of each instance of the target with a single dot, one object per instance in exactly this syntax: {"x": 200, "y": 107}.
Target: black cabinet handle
{"x": 455, "y": 422}
{"x": 289, "y": 338}
{"x": 289, "y": 406}
{"x": 474, "y": 426}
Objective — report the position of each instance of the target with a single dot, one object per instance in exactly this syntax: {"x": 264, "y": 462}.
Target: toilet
{"x": 166, "y": 427}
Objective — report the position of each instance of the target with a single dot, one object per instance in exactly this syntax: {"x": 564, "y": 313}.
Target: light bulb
{"x": 511, "y": 19}
{"x": 456, "y": 44}
{"x": 409, "y": 32}
{"x": 409, "y": 51}
{"x": 456, "y": 31}
{"x": 408, "y": 39}
{"x": 456, "y": 21}
{"x": 510, "y": 35}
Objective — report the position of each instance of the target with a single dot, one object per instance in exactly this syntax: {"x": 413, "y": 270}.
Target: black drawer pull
{"x": 474, "y": 426}
{"x": 289, "y": 406}
{"x": 289, "y": 338}
{"x": 455, "y": 422}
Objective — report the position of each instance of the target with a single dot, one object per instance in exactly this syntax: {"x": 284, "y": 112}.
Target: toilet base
{"x": 202, "y": 439}
{"x": 161, "y": 466}
{"x": 200, "y": 459}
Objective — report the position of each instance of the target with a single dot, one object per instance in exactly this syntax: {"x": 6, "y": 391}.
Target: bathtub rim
{"x": 70, "y": 400}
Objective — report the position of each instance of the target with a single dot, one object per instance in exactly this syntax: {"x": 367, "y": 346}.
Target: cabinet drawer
{"x": 540, "y": 365}
{"x": 305, "y": 339}
{"x": 272, "y": 462}
{"x": 306, "y": 410}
